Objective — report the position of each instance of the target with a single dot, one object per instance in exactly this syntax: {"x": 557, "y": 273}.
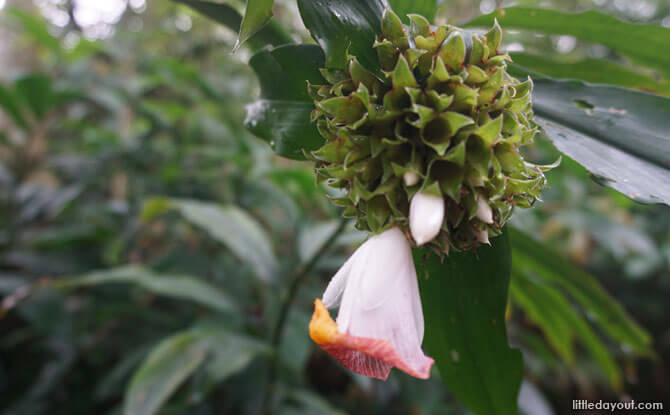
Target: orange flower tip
{"x": 322, "y": 328}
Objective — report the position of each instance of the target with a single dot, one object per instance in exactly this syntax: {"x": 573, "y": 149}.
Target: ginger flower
{"x": 380, "y": 320}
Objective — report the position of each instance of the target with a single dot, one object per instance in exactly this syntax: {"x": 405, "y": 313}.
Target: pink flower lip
{"x": 365, "y": 356}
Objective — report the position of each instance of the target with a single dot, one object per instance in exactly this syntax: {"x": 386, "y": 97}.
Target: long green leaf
{"x": 167, "y": 367}
{"x": 310, "y": 402}
{"x": 554, "y": 314}
{"x": 36, "y": 92}
{"x": 10, "y": 104}
{"x": 185, "y": 287}
{"x": 257, "y": 14}
{"x": 557, "y": 331}
{"x": 178, "y": 356}
{"x": 266, "y": 34}
{"x": 37, "y": 28}
{"x": 426, "y": 8}
{"x": 531, "y": 256}
{"x": 598, "y": 71}
{"x": 613, "y": 115}
{"x": 282, "y": 115}
{"x": 464, "y": 300}
{"x": 619, "y": 135}
{"x": 234, "y": 228}
{"x": 642, "y": 43}
{"x": 230, "y": 352}
{"x": 345, "y": 26}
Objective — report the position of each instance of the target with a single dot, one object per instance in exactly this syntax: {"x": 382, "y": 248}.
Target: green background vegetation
{"x": 156, "y": 257}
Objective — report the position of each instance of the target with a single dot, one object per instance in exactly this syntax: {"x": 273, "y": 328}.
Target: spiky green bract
{"x": 446, "y": 110}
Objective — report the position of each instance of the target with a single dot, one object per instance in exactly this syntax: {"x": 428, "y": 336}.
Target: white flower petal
{"x": 426, "y": 213}
{"x": 333, "y": 293}
{"x": 380, "y": 321}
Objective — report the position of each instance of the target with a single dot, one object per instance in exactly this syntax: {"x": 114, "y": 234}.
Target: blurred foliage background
{"x": 149, "y": 245}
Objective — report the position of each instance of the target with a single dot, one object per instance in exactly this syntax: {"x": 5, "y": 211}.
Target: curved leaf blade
{"x": 10, "y": 103}
{"x": 230, "y": 352}
{"x": 219, "y": 12}
{"x": 235, "y": 229}
{"x": 257, "y": 14}
{"x": 266, "y": 34}
{"x": 35, "y": 90}
{"x": 555, "y": 327}
{"x": 37, "y": 27}
{"x": 619, "y": 135}
{"x": 285, "y": 125}
{"x": 550, "y": 302}
{"x": 344, "y": 26}
{"x": 177, "y": 357}
{"x": 598, "y": 71}
{"x": 464, "y": 301}
{"x": 531, "y": 256}
{"x": 167, "y": 367}
{"x": 185, "y": 287}
{"x": 283, "y": 72}
{"x": 641, "y": 43}
{"x": 282, "y": 115}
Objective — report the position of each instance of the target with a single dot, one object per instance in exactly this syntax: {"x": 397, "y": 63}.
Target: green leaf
{"x": 285, "y": 125}
{"x": 36, "y": 93}
{"x": 167, "y": 367}
{"x": 345, "y": 26}
{"x": 641, "y": 43}
{"x": 37, "y": 28}
{"x": 590, "y": 70}
{"x": 619, "y": 135}
{"x": 265, "y": 34}
{"x": 550, "y": 319}
{"x": 256, "y": 15}
{"x": 219, "y": 12}
{"x": 9, "y": 103}
{"x": 282, "y": 115}
{"x": 178, "y": 286}
{"x": 230, "y": 352}
{"x": 310, "y": 403}
{"x": 283, "y": 72}
{"x": 531, "y": 256}
{"x": 554, "y": 314}
{"x": 178, "y": 356}
{"x": 114, "y": 381}
{"x": 234, "y": 228}
{"x": 425, "y": 8}
{"x": 464, "y": 301}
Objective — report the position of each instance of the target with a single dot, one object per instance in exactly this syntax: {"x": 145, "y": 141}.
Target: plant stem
{"x": 301, "y": 274}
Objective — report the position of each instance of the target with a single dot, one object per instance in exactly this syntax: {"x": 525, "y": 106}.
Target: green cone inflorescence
{"x": 442, "y": 117}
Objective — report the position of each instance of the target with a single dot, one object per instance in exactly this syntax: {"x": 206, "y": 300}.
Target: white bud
{"x": 483, "y": 236}
{"x": 411, "y": 178}
{"x": 426, "y": 213}
{"x": 484, "y": 212}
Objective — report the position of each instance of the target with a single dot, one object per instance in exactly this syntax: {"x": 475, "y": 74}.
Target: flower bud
{"x": 426, "y": 213}
{"x": 411, "y": 178}
{"x": 484, "y": 212}
{"x": 483, "y": 236}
